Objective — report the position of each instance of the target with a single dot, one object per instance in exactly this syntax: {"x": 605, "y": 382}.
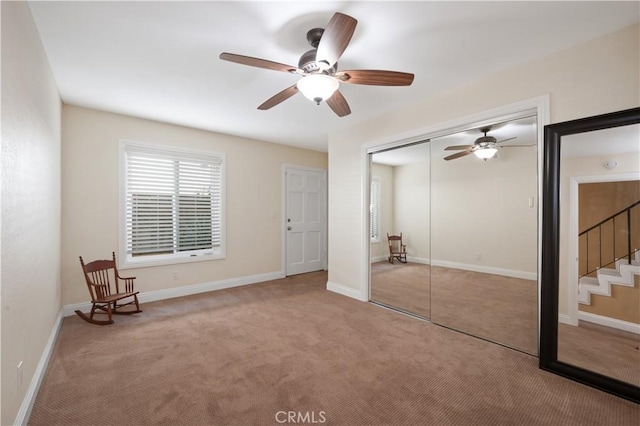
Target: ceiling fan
{"x": 484, "y": 147}
{"x": 319, "y": 68}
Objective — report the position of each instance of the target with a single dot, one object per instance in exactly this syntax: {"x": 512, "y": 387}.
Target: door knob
{"x": 288, "y": 228}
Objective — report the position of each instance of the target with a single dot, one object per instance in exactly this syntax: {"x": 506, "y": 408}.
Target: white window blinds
{"x": 173, "y": 201}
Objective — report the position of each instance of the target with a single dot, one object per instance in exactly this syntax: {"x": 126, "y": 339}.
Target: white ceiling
{"x": 159, "y": 60}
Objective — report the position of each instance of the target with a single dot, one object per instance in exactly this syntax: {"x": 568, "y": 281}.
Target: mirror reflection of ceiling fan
{"x": 484, "y": 147}
{"x": 319, "y": 68}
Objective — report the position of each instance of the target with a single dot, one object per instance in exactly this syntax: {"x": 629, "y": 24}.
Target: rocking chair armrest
{"x": 126, "y": 278}
{"x": 128, "y": 283}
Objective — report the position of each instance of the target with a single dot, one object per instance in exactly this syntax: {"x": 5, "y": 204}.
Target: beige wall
{"x": 461, "y": 209}
{"x": 592, "y": 78}
{"x": 601, "y": 200}
{"x": 404, "y": 207}
{"x": 30, "y": 247}
{"x": 481, "y": 212}
{"x": 90, "y": 141}
{"x": 384, "y": 173}
{"x": 411, "y": 208}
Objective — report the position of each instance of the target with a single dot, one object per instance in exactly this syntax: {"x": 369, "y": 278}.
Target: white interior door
{"x": 305, "y": 220}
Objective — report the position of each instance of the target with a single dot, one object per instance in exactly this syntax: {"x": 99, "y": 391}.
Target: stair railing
{"x": 611, "y": 219}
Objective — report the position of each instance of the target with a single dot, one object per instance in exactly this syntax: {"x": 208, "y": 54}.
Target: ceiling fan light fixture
{"x": 485, "y": 153}
{"x": 318, "y": 87}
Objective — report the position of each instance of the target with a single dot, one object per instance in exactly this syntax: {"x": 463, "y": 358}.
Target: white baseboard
{"x": 610, "y": 322}
{"x": 420, "y": 260}
{"x": 345, "y": 291}
{"x": 487, "y": 269}
{"x": 566, "y": 319}
{"x": 170, "y": 293}
{"x": 466, "y": 267}
{"x": 30, "y": 397}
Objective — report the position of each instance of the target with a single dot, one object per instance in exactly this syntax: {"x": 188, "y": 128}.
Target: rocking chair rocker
{"x": 97, "y": 275}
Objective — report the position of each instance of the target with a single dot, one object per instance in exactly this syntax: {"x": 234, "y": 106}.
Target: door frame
{"x": 572, "y": 269}
{"x": 324, "y": 209}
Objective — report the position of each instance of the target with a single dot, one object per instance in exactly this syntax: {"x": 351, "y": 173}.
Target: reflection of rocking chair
{"x": 97, "y": 274}
{"x": 397, "y": 250}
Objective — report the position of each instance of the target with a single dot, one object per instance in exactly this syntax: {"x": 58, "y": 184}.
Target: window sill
{"x": 129, "y": 263}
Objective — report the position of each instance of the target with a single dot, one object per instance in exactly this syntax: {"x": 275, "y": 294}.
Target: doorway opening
{"x": 603, "y": 213}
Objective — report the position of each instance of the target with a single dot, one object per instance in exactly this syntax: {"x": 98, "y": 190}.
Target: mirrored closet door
{"x": 467, "y": 206}
{"x": 400, "y": 277}
{"x": 484, "y": 235}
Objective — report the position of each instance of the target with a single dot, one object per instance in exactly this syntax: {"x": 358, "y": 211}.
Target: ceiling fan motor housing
{"x": 484, "y": 141}
{"x": 314, "y": 35}
{"x": 308, "y": 64}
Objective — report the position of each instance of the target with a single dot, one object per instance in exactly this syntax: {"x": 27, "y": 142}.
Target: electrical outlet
{"x": 19, "y": 377}
{"x": 478, "y": 256}
{"x": 175, "y": 275}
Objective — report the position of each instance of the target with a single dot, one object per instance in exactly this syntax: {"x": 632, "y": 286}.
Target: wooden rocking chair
{"x": 97, "y": 274}
{"x": 397, "y": 250}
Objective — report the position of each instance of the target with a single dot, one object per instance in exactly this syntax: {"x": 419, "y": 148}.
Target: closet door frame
{"x": 538, "y": 106}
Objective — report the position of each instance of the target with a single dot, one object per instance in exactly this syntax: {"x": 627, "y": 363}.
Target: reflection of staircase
{"x": 622, "y": 275}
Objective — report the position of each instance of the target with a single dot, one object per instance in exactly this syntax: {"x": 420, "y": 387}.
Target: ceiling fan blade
{"x": 458, "y": 155}
{"x": 458, "y": 147}
{"x": 376, "y": 77}
{"x": 339, "y": 104}
{"x": 279, "y": 97}
{"x": 257, "y": 62}
{"x": 508, "y": 139}
{"x": 335, "y": 38}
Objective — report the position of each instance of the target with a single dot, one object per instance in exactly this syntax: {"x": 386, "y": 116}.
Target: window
{"x": 374, "y": 209}
{"x": 173, "y": 203}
